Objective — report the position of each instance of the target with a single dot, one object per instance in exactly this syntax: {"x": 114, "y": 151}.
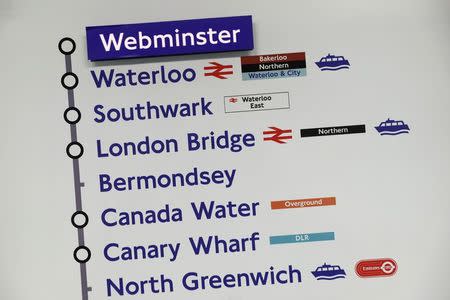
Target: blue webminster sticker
{"x": 273, "y": 66}
{"x": 302, "y": 238}
{"x": 169, "y": 38}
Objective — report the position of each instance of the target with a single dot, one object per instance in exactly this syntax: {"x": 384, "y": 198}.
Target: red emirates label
{"x": 376, "y": 267}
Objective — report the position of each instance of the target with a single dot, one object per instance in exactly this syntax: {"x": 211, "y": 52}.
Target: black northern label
{"x": 273, "y": 66}
{"x": 335, "y": 130}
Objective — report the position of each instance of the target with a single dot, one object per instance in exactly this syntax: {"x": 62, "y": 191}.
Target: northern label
{"x": 335, "y": 130}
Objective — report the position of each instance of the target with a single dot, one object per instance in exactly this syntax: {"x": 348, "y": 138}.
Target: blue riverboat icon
{"x": 328, "y": 272}
{"x": 392, "y": 127}
{"x": 332, "y": 63}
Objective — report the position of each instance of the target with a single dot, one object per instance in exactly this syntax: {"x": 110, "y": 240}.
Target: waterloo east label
{"x": 273, "y": 66}
{"x": 256, "y": 102}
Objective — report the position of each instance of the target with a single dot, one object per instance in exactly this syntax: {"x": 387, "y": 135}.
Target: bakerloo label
{"x": 255, "y": 102}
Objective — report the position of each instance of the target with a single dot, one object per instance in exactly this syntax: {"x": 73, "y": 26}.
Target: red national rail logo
{"x": 218, "y": 70}
{"x": 277, "y": 135}
{"x": 378, "y": 267}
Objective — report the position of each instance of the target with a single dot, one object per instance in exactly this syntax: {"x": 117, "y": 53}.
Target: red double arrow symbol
{"x": 218, "y": 70}
{"x": 278, "y": 135}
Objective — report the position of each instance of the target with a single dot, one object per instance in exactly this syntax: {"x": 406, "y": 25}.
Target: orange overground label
{"x": 301, "y": 203}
